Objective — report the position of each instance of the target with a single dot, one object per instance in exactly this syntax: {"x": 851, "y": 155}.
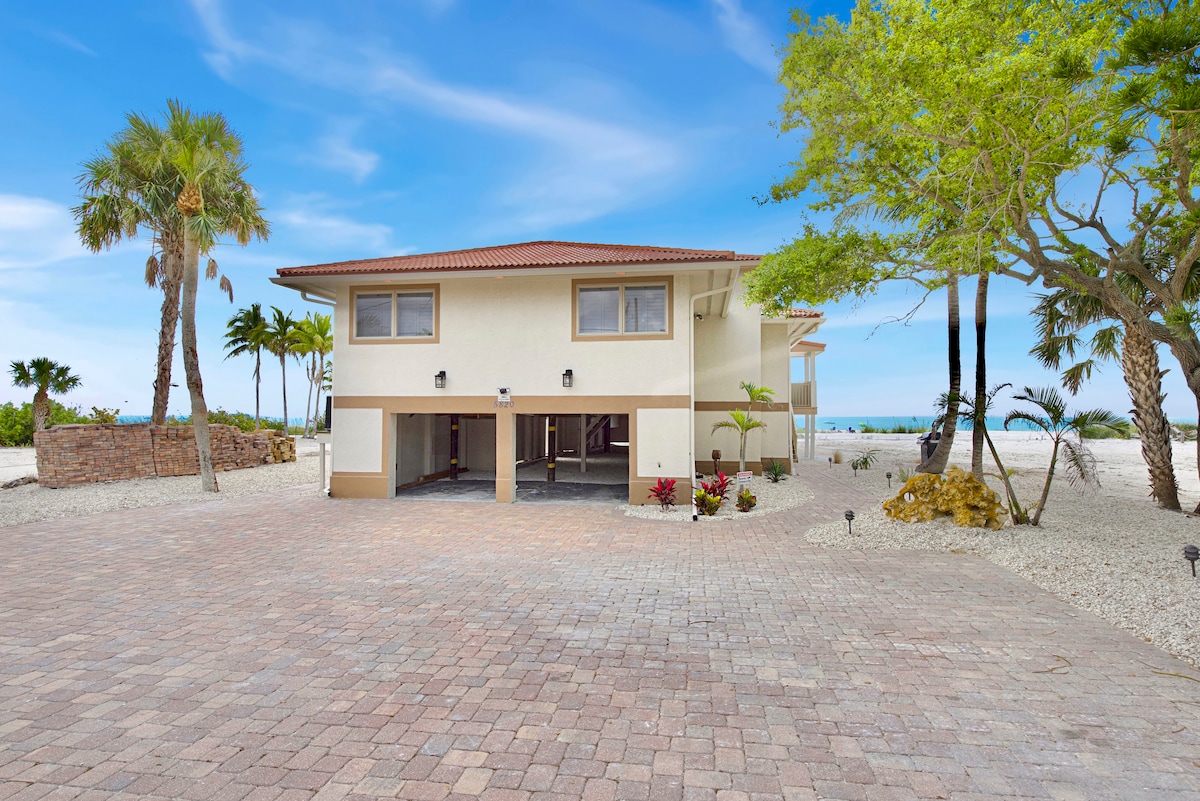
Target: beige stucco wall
{"x": 660, "y": 432}
{"x": 511, "y": 332}
{"x": 364, "y": 429}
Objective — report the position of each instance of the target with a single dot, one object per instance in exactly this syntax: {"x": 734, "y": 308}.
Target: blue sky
{"x": 404, "y": 126}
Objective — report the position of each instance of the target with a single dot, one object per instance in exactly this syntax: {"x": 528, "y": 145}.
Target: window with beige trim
{"x": 395, "y": 314}
{"x": 622, "y": 309}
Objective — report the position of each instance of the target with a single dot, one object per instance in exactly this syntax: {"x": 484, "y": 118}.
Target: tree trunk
{"x": 979, "y": 425}
{"x": 257, "y": 385}
{"x": 170, "y": 284}
{"x": 283, "y": 371}
{"x": 320, "y": 386}
{"x": 1041, "y": 504}
{"x": 1189, "y": 361}
{"x": 191, "y": 363}
{"x": 41, "y": 410}
{"x": 941, "y": 455}
{"x": 742, "y": 454}
{"x": 308, "y": 412}
{"x": 1139, "y": 358}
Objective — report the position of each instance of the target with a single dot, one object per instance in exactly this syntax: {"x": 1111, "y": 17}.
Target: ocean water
{"x": 886, "y": 422}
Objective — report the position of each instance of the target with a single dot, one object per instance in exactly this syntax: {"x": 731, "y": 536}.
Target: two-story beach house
{"x": 555, "y": 355}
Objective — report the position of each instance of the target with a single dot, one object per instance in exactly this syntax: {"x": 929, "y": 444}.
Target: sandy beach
{"x": 1109, "y": 550}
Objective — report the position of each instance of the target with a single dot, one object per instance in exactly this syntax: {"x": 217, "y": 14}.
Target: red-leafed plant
{"x": 718, "y": 487}
{"x": 664, "y": 493}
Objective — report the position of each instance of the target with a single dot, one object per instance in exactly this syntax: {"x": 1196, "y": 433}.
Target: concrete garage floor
{"x": 290, "y": 647}
{"x": 604, "y": 482}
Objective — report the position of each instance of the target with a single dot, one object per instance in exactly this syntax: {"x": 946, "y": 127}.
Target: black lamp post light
{"x": 439, "y": 380}
{"x": 830, "y": 462}
{"x": 850, "y": 521}
{"x": 889, "y": 478}
{"x": 1191, "y": 553}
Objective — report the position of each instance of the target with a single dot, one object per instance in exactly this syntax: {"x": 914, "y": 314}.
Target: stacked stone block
{"x": 68, "y": 456}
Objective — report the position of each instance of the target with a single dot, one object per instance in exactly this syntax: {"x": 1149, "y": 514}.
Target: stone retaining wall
{"x": 68, "y": 456}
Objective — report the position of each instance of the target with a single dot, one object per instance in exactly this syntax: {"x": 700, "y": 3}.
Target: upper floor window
{"x": 605, "y": 310}
{"x": 409, "y": 314}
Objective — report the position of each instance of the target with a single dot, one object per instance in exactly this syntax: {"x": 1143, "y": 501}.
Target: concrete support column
{"x": 506, "y": 456}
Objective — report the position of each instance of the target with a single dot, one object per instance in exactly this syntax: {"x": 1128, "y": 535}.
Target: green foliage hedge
{"x": 16, "y": 422}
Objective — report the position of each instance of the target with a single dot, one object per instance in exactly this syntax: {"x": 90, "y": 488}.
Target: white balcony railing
{"x": 804, "y": 395}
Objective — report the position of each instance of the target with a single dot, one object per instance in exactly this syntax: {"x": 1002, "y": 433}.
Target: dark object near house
{"x": 929, "y": 443}
{"x": 328, "y": 412}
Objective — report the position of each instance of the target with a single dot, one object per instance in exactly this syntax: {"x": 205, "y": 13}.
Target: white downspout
{"x": 692, "y": 388}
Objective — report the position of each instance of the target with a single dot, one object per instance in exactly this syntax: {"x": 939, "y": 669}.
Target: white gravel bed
{"x": 31, "y": 503}
{"x": 1109, "y": 551}
{"x": 772, "y": 497}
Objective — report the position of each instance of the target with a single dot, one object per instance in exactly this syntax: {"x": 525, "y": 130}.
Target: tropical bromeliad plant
{"x": 741, "y": 421}
{"x": 45, "y": 376}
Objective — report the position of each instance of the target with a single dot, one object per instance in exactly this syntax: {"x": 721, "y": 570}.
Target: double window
{"x": 605, "y": 310}
{"x": 396, "y": 314}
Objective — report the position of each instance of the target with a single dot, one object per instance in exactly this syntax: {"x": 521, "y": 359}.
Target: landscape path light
{"x": 830, "y": 462}
{"x": 850, "y": 521}
{"x": 889, "y": 478}
{"x": 1191, "y": 553}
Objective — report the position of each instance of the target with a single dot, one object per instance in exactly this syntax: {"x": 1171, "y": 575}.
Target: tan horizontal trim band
{"x": 725, "y": 406}
{"x": 532, "y": 404}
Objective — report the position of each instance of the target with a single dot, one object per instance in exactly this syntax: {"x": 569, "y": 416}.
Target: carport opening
{"x": 446, "y": 455}
{"x": 590, "y": 457}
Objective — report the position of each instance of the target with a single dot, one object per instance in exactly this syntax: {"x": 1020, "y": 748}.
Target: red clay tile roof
{"x": 524, "y": 255}
{"x": 798, "y": 314}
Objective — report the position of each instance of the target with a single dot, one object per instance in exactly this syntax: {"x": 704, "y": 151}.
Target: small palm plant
{"x": 44, "y": 376}
{"x": 741, "y": 421}
{"x": 1065, "y": 433}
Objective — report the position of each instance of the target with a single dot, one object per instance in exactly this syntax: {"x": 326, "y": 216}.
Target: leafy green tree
{"x": 127, "y": 190}
{"x": 975, "y": 121}
{"x": 16, "y": 422}
{"x": 206, "y": 155}
{"x": 280, "y": 339}
{"x": 45, "y": 376}
{"x": 741, "y": 421}
{"x": 314, "y": 339}
{"x": 1065, "y": 431}
{"x": 246, "y": 333}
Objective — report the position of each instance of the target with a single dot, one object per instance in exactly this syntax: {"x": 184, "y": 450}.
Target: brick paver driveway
{"x": 292, "y": 647}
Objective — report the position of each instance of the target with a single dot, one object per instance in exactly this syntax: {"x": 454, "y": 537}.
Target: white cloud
{"x": 745, "y": 36}
{"x": 35, "y": 232}
{"x": 336, "y": 152}
{"x": 312, "y": 221}
{"x": 587, "y": 167}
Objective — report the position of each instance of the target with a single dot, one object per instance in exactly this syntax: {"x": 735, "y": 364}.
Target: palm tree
{"x": 973, "y": 411}
{"x": 213, "y": 198}
{"x": 1066, "y": 434}
{"x": 128, "y": 189}
{"x": 941, "y": 454}
{"x": 314, "y": 338}
{"x": 280, "y": 337}
{"x": 247, "y": 333}
{"x": 46, "y": 377}
{"x": 1061, "y": 315}
{"x": 741, "y": 421}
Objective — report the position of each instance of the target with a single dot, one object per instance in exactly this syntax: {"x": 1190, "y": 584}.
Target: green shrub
{"x": 775, "y": 471}
{"x": 746, "y": 500}
{"x": 16, "y": 422}
{"x": 102, "y": 416}
{"x": 707, "y": 504}
{"x": 865, "y": 459}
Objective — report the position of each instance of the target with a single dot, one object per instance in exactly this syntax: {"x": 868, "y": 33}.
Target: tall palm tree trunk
{"x": 308, "y": 413}
{"x": 979, "y": 424}
{"x": 320, "y": 386}
{"x": 283, "y": 371}
{"x": 169, "y": 321}
{"x": 257, "y": 385}
{"x": 191, "y": 363}
{"x": 1139, "y": 358}
{"x": 941, "y": 455}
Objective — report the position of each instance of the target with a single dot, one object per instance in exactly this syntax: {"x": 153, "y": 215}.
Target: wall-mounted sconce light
{"x": 439, "y": 380}
{"x": 568, "y": 377}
